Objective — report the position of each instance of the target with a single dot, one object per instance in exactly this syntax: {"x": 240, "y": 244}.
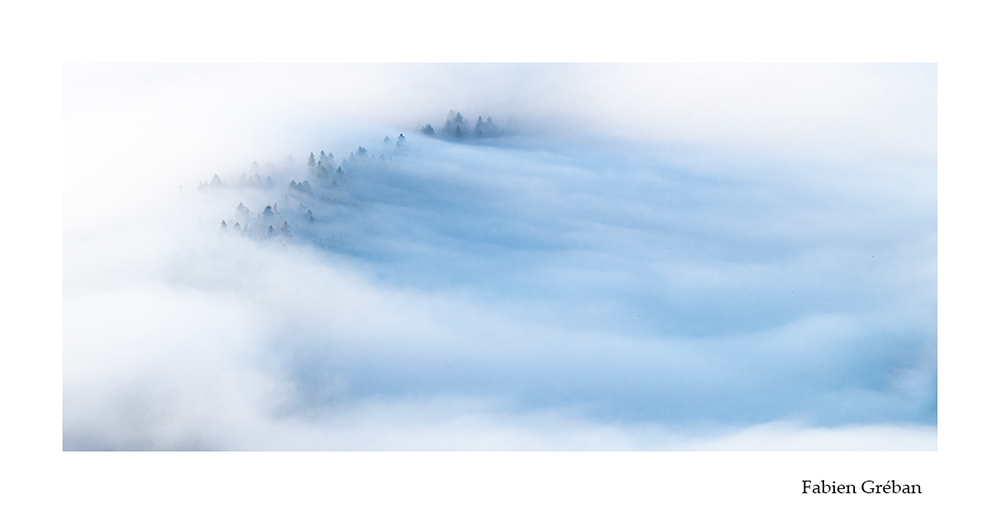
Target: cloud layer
{"x": 594, "y": 279}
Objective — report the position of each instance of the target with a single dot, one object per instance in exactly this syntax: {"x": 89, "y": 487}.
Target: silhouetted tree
{"x": 312, "y": 160}
{"x": 427, "y": 130}
{"x": 456, "y": 125}
{"x": 486, "y": 128}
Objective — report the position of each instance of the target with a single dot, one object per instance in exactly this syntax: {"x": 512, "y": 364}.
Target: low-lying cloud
{"x": 533, "y": 284}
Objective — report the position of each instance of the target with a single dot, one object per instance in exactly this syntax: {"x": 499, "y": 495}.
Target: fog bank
{"x": 590, "y": 257}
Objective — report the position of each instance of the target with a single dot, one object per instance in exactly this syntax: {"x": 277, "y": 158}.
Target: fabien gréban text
{"x": 866, "y": 487}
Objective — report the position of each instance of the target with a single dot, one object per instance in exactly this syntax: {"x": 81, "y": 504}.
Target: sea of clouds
{"x": 630, "y": 257}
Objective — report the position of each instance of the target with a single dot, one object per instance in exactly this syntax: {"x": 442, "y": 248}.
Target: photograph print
{"x": 589, "y": 257}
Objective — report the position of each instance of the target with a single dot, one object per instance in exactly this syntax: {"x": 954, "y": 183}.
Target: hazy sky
{"x": 688, "y": 256}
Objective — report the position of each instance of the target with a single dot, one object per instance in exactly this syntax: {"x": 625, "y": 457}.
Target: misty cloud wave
{"x": 519, "y": 292}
